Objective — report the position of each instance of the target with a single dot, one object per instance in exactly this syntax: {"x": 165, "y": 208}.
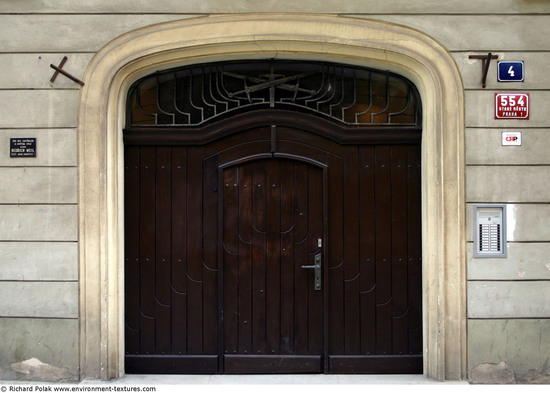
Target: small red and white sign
{"x": 511, "y": 138}
{"x": 512, "y": 106}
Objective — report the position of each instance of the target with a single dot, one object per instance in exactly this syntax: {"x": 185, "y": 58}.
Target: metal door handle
{"x": 316, "y": 271}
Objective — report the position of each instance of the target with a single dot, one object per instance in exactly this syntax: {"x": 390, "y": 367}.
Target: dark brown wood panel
{"x": 273, "y": 364}
{"x": 179, "y": 251}
{"x": 170, "y": 274}
{"x": 163, "y": 210}
{"x": 131, "y": 260}
{"x": 272, "y": 220}
{"x": 386, "y": 364}
{"x": 399, "y": 250}
{"x": 315, "y": 241}
{"x": 383, "y": 237}
{"x": 216, "y": 234}
{"x": 382, "y": 303}
{"x": 147, "y": 261}
{"x": 275, "y": 172}
{"x": 209, "y": 258}
{"x": 367, "y": 249}
{"x": 352, "y": 273}
{"x": 287, "y": 211}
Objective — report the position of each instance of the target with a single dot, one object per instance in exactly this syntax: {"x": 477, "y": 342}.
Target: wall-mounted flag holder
{"x": 59, "y": 70}
{"x": 485, "y": 61}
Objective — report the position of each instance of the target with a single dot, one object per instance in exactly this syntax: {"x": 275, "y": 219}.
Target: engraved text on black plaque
{"x": 22, "y": 147}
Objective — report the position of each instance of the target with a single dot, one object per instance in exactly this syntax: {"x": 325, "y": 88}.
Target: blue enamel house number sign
{"x": 510, "y": 71}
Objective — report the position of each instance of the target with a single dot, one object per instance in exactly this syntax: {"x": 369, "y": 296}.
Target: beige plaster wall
{"x": 39, "y": 200}
{"x": 327, "y": 6}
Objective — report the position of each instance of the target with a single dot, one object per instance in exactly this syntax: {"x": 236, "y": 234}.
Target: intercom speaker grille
{"x": 489, "y": 237}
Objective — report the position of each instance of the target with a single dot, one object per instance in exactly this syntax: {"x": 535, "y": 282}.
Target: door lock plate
{"x": 316, "y": 271}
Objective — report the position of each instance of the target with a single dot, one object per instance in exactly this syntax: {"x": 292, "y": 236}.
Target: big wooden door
{"x": 238, "y": 174}
{"x": 217, "y": 234}
{"x": 273, "y": 234}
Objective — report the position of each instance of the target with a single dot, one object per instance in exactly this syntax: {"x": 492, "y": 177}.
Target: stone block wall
{"x": 508, "y": 316}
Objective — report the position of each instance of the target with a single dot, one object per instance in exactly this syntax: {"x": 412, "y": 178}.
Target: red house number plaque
{"x": 512, "y": 106}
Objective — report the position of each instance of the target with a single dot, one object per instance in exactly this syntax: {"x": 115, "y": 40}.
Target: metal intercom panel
{"x": 490, "y": 231}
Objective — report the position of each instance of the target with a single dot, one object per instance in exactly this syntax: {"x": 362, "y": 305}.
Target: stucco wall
{"x": 38, "y": 196}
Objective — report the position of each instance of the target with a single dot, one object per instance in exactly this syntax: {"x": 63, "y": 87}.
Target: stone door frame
{"x": 344, "y": 40}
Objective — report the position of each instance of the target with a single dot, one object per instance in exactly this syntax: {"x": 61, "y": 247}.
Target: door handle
{"x": 316, "y": 271}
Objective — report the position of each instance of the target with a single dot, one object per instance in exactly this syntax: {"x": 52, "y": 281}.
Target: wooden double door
{"x": 275, "y": 249}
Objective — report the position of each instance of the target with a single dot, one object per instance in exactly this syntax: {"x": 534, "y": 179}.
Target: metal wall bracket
{"x": 485, "y": 61}
{"x": 59, "y": 70}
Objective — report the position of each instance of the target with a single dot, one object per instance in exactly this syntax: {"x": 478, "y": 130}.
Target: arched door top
{"x": 195, "y": 95}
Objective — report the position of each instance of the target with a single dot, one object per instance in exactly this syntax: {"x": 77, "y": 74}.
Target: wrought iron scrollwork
{"x": 192, "y": 96}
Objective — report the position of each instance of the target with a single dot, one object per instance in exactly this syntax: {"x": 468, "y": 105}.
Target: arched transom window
{"x": 193, "y": 96}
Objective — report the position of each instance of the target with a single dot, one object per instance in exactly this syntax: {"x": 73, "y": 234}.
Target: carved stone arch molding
{"x": 313, "y": 37}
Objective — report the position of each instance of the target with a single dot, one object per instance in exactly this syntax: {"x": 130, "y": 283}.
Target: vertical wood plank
{"x": 163, "y": 214}
{"x": 399, "y": 283}
{"x": 194, "y": 214}
{"x": 131, "y": 266}
{"x": 231, "y": 259}
{"x": 194, "y": 317}
{"x": 194, "y": 256}
{"x": 336, "y": 260}
{"x": 259, "y": 243}
{"x": 246, "y": 230}
{"x": 147, "y": 250}
{"x": 179, "y": 250}
{"x": 352, "y": 318}
{"x": 288, "y": 210}
{"x": 179, "y": 323}
{"x": 301, "y": 257}
{"x": 273, "y": 257}
{"x": 316, "y": 232}
{"x": 367, "y": 249}
{"x": 210, "y": 213}
{"x": 383, "y": 250}
{"x": 210, "y": 255}
{"x": 210, "y": 312}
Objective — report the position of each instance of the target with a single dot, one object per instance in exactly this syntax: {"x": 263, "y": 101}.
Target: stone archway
{"x": 313, "y": 37}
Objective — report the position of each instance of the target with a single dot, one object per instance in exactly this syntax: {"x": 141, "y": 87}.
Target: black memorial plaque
{"x": 22, "y": 147}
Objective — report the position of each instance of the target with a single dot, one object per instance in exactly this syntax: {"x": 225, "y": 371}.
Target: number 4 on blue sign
{"x": 510, "y": 71}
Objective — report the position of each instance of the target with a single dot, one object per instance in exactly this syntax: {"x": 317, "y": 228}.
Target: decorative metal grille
{"x": 195, "y": 95}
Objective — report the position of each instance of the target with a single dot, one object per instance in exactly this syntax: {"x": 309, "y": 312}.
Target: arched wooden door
{"x": 272, "y": 221}
{"x": 272, "y": 267}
